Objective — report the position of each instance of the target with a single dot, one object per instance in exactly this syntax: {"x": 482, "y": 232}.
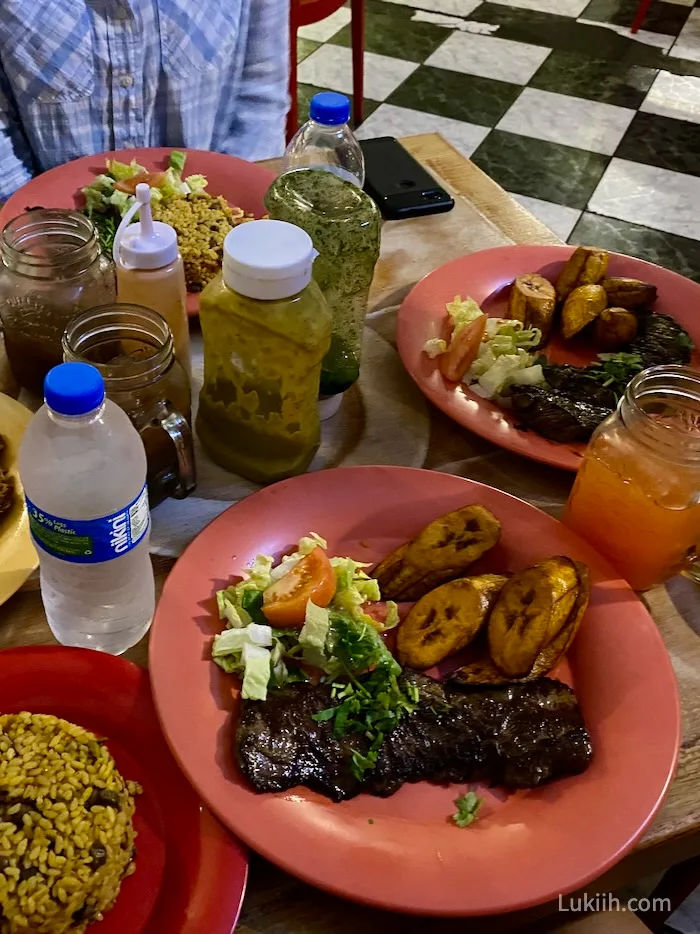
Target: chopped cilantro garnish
{"x": 615, "y": 370}
{"x": 468, "y": 806}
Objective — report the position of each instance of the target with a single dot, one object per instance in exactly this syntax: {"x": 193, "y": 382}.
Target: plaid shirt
{"x": 84, "y": 76}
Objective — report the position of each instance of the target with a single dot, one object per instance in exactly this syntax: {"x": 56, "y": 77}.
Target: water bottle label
{"x": 92, "y": 540}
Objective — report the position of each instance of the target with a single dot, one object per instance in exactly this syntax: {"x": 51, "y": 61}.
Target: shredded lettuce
{"x": 177, "y": 161}
{"x": 121, "y": 201}
{"x": 434, "y": 347}
{"x": 504, "y": 359}
{"x": 246, "y": 651}
{"x": 313, "y": 637}
{"x": 196, "y": 183}
{"x": 122, "y": 171}
{"x": 462, "y": 313}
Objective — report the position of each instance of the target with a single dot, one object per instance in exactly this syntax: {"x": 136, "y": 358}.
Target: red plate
{"x": 486, "y": 276}
{"x": 243, "y": 184}
{"x": 403, "y": 852}
{"x": 191, "y": 874}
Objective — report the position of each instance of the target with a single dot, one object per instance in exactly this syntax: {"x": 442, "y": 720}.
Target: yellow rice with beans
{"x": 66, "y": 830}
{"x": 201, "y": 222}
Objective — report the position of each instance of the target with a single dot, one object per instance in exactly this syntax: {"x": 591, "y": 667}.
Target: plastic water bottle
{"x": 326, "y": 141}
{"x": 83, "y": 467}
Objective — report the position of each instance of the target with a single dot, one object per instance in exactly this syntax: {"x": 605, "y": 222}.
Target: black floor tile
{"x": 666, "y": 18}
{"x": 305, "y": 47}
{"x": 540, "y": 169}
{"x": 451, "y": 94}
{"x": 662, "y": 141}
{"x": 680, "y": 254}
{"x": 597, "y": 79}
{"x": 390, "y": 30}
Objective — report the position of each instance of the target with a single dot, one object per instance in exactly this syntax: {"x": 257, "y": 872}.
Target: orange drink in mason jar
{"x": 636, "y": 497}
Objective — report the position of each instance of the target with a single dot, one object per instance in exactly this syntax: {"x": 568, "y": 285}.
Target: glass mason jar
{"x": 636, "y": 497}
{"x": 52, "y": 269}
{"x": 132, "y": 347}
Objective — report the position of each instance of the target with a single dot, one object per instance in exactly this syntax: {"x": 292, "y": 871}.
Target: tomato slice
{"x": 313, "y": 578}
{"x": 463, "y": 350}
{"x": 154, "y": 179}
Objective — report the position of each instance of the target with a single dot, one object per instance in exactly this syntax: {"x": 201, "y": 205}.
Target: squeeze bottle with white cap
{"x": 150, "y": 271}
{"x": 266, "y": 328}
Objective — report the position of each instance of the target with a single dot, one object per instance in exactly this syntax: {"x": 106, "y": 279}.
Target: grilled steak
{"x": 574, "y": 381}
{"x": 556, "y": 415}
{"x": 660, "y": 340}
{"x": 519, "y": 735}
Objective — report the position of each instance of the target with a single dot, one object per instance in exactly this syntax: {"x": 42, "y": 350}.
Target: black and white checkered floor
{"x": 593, "y": 130}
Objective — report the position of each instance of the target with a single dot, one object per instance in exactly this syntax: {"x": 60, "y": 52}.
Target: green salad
{"x": 274, "y": 635}
{"x": 111, "y": 194}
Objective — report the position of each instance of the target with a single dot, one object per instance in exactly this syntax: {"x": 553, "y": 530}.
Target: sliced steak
{"x": 518, "y": 735}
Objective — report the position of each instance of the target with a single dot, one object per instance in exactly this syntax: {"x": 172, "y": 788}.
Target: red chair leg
{"x": 293, "y": 112}
{"x": 642, "y": 11}
{"x": 677, "y": 884}
{"x": 358, "y": 59}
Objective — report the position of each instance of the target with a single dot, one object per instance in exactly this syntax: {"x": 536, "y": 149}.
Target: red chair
{"x": 305, "y": 12}
{"x": 642, "y": 11}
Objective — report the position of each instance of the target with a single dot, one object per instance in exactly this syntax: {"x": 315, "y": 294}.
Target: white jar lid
{"x": 268, "y": 259}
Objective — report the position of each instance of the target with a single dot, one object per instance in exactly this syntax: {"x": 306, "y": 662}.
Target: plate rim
{"x": 562, "y": 457}
{"x": 298, "y": 870}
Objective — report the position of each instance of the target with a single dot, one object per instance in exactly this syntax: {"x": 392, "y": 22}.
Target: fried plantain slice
{"x": 554, "y": 651}
{"x": 585, "y": 266}
{"x": 427, "y": 583}
{"x": 533, "y": 302}
{"x": 614, "y": 328}
{"x": 447, "y": 619}
{"x": 530, "y": 611}
{"x": 582, "y": 306}
{"x": 454, "y": 541}
{"x": 388, "y": 569}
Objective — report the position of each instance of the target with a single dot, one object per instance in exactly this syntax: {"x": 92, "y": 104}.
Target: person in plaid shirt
{"x": 83, "y": 76}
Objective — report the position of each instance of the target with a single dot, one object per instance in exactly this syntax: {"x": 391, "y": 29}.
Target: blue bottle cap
{"x": 74, "y": 388}
{"x": 329, "y": 108}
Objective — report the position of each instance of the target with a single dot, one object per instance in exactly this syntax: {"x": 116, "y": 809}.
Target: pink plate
{"x": 403, "y": 852}
{"x": 243, "y": 184}
{"x": 191, "y": 874}
{"x": 486, "y": 276}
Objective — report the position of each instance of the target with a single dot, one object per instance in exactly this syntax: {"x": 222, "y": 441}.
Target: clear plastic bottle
{"x": 326, "y": 141}
{"x": 83, "y": 467}
{"x": 319, "y": 190}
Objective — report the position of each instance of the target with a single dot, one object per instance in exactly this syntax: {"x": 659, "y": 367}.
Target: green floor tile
{"x": 662, "y": 141}
{"x": 305, "y": 47}
{"x": 451, "y": 94}
{"x": 540, "y": 169}
{"x": 306, "y": 91}
{"x": 677, "y": 253}
{"x": 389, "y": 30}
{"x": 597, "y": 79}
{"x": 666, "y": 18}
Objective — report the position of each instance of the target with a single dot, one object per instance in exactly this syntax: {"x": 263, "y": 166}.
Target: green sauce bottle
{"x": 266, "y": 328}
{"x": 344, "y": 224}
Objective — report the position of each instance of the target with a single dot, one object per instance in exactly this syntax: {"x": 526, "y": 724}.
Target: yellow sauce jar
{"x": 266, "y": 328}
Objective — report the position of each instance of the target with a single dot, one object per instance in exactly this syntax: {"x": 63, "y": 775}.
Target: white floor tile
{"x": 643, "y": 36}
{"x": 644, "y": 194}
{"x": 572, "y": 121}
{"x": 389, "y": 120}
{"x": 688, "y": 43}
{"x": 450, "y": 7}
{"x": 560, "y": 7}
{"x": 674, "y": 96}
{"x": 681, "y": 2}
{"x": 454, "y": 22}
{"x": 326, "y": 28}
{"x": 331, "y": 67}
{"x": 560, "y": 219}
{"x": 489, "y": 57}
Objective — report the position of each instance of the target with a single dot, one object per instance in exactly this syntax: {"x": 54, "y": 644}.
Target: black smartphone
{"x": 400, "y": 186}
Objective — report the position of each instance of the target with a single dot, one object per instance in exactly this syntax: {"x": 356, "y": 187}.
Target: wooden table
{"x": 277, "y": 903}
